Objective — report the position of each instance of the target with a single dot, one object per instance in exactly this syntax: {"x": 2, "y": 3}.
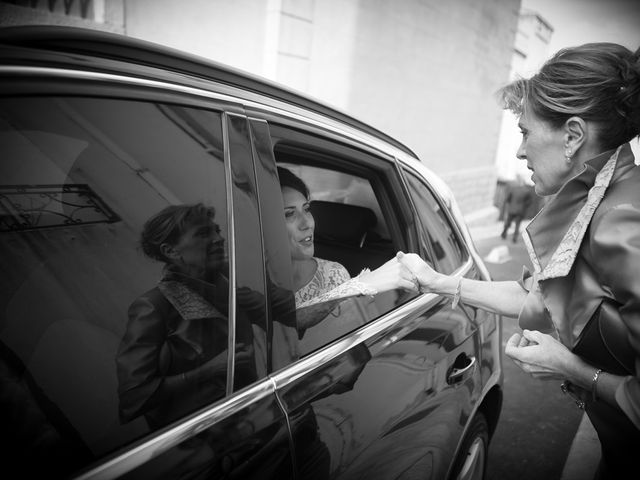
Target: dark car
{"x": 100, "y": 134}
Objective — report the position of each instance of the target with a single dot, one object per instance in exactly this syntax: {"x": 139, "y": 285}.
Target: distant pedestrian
{"x": 580, "y": 307}
{"x": 519, "y": 198}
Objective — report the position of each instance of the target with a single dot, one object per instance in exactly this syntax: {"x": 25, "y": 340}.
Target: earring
{"x": 567, "y": 155}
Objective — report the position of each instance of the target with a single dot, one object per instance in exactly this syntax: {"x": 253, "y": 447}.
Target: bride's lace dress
{"x": 329, "y": 275}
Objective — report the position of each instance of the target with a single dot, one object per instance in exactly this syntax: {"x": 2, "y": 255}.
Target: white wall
{"x": 424, "y": 71}
{"x": 230, "y": 32}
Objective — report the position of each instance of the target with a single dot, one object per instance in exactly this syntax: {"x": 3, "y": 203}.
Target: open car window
{"x": 354, "y": 229}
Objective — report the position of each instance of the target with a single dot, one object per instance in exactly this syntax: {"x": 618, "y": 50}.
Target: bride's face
{"x": 300, "y": 223}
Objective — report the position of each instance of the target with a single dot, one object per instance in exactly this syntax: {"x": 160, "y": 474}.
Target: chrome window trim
{"x": 231, "y": 243}
{"x": 302, "y": 367}
{"x": 326, "y": 354}
{"x": 304, "y": 116}
{"x": 159, "y": 444}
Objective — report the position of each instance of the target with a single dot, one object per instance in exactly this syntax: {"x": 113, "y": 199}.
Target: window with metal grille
{"x": 75, "y": 8}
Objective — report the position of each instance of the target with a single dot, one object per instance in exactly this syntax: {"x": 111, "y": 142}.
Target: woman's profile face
{"x": 543, "y": 148}
{"x": 300, "y": 223}
{"x": 201, "y": 247}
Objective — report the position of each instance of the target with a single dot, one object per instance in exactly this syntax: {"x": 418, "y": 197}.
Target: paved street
{"x": 538, "y": 423}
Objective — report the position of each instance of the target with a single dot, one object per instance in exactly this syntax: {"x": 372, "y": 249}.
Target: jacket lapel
{"x": 554, "y": 236}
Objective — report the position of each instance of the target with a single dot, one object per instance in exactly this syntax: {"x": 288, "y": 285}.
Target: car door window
{"x": 114, "y": 249}
{"x": 448, "y": 251}
{"x": 355, "y": 227}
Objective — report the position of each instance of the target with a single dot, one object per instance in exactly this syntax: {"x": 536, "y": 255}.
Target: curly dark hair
{"x": 289, "y": 179}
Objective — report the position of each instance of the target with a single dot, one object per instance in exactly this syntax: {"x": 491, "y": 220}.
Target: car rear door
{"x": 375, "y": 388}
{"x": 86, "y": 159}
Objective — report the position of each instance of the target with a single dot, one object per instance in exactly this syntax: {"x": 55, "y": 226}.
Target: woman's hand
{"x": 426, "y": 276}
{"x": 218, "y": 365}
{"x": 539, "y": 354}
{"x": 390, "y": 276}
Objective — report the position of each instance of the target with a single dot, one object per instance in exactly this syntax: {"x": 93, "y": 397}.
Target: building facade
{"x": 107, "y": 15}
{"x": 424, "y": 71}
{"x": 530, "y": 51}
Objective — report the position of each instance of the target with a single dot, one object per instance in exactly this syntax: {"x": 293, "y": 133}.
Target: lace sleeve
{"x": 350, "y": 288}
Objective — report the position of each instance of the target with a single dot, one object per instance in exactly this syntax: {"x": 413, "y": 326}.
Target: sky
{"x": 580, "y": 21}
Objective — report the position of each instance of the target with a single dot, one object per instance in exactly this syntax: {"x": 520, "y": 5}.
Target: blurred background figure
{"x": 519, "y": 198}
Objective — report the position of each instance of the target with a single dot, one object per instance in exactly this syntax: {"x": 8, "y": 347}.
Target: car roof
{"x": 71, "y": 42}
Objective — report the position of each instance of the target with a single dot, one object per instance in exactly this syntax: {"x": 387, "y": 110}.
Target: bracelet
{"x": 456, "y": 296}
{"x": 594, "y": 384}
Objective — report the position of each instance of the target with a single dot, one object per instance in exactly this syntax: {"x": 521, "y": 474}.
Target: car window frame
{"x": 54, "y": 82}
{"x": 363, "y": 161}
{"x": 452, "y": 223}
{"x": 368, "y": 160}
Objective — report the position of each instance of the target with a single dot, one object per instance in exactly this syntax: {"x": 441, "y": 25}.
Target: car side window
{"x": 114, "y": 252}
{"x": 447, "y": 248}
{"x": 346, "y": 229}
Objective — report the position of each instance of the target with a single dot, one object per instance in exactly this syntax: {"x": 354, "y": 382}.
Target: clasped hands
{"x": 406, "y": 270}
{"x": 391, "y": 275}
{"x": 539, "y": 354}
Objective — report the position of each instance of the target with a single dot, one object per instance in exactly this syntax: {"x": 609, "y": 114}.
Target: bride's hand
{"x": 390, "y": 276}
{"x": 426, "y": 276}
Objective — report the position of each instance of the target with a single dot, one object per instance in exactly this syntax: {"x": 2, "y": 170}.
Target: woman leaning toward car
{"x": 580, "y": 307}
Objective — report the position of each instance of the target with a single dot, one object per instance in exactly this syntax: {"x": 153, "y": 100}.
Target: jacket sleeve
{"x": 137, "y": 360}
{"x": 533, "y": 314}
{"x": 615, "y": 246}
{"x": 143, "y": 384}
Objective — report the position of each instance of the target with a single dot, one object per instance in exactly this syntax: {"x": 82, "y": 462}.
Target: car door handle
{"x": 462, "y": 369}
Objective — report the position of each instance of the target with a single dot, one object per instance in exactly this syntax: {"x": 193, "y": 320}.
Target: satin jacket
{"x": 585, "y": 247}
{"x": 173, "y": 329}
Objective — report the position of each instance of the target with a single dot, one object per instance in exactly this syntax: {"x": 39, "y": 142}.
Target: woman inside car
{"x": 580, "y": 308}
{"x": 322, "y": 283}
{"x": 317, "y": 280}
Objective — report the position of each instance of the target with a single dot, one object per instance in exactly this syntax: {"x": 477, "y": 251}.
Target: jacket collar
{"x": 191, "y": 297}
{"x": 554, "y": 236}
